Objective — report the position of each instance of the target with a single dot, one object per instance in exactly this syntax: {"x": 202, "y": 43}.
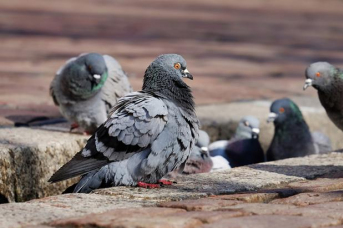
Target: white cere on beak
{"x": 271, "y": 117}
{"x": 97, "y": 76}
{"x": 255, "y": 130}
{"x": 186, "y": 71}
{"x": 204, "y": 149}
{"x": 308, "y": 83}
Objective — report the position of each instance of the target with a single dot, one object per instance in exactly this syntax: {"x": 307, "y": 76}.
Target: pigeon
{"x": 292, "y": 136}
{"x": 328, "y": 81}
{"x": 199, "y": 160}
{"x": 147, "y": 135}
{"x": 219, "y": 164}
{"x": 244, "y": 148}
{"x": 87, "y": 87}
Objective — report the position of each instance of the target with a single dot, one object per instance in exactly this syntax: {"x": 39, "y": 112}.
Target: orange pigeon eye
{"x": 281, "y": 110}
{"x": 318, "y": 74}
{"x": 177, "y": 66}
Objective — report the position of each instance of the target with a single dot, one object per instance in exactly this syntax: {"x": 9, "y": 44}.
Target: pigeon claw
{"x": 165, "y": 182}
{"x": 146, "y": 185}
{"x": 73, "y": 126}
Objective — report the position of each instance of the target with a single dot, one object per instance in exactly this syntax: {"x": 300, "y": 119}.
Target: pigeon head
{"x": 203, "y": 140}
{"x": 199, "y": 161}
{"x": 284, "y": 110}
{"x": 248, "y": 127}
{"x": 86, "y": 75}
{"x": 319, "y": 75}
{"x": 165, "y": 75}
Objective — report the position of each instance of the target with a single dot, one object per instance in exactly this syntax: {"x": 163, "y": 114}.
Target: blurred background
{"x": 236, "y": 50}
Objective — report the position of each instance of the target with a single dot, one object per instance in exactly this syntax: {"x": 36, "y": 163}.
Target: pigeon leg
{"x": 146, "y": 185}
{"x": 165, "y": 182}
{"x": 73, "y": 126}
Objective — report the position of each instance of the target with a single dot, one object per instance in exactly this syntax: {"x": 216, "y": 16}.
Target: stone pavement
{"x": 254, "y": 49}
{"x": 29, "y": 156}
{"x": 297, "y": 192}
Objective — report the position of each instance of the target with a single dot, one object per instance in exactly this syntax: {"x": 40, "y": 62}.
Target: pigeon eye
{"x": 318, "y": 74}
{"x": 177, "y": 66}
{"x": 281, "y": 110}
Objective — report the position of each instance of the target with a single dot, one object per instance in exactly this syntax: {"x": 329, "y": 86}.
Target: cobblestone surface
{"x": 306, "y": 198}
{"x": 236, "y": 50}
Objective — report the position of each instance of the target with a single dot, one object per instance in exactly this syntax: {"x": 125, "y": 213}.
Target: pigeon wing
{"x": 55, "y": 81}
{"x": 135, "y": 123}
{"x": 117, "y": 84}
{"x": 322, "y": 143}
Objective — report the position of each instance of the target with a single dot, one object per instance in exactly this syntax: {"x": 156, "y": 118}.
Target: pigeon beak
{"x": 186, "y": 74}
{"x": 271, "y": 117}
{"x": 97, "y": 76}
{"x": 204, "y": 149}
{"x": 255, "y": 132}
{"x": 308, "y": 83}
{"x": 204, "y": 152}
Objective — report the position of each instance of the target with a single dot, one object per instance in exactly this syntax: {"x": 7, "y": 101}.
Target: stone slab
{"x": 262, "y": 221}
{"x": 28, "y": 158}
{"x": 304, "y": 199}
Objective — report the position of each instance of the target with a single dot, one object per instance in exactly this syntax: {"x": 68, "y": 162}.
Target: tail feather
{"x": 77, "y": 166}
{"x": 89, "y": 182}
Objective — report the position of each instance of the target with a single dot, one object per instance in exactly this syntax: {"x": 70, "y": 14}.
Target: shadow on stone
{"x": 3, "y": 199}
{"x": 305, "y": 171}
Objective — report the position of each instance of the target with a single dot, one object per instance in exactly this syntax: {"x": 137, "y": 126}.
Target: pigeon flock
{"x": 150, "y": 137}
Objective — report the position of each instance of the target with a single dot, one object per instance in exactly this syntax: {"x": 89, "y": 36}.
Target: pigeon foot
{"x": 165, "y": 182}
{"x": 146, "y": 185}
{"x": 73, "y": 126}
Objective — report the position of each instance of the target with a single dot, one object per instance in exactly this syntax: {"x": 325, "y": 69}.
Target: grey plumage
{"x": 322, "y": 142}
{"x": 244, "y": 148}
{"x": 148, "y": 134}
{"x": 199, "y": 161}
{"x": 292, "y": 137}
{"x": 328, "y": 81}
{"x": 87, "y": 87}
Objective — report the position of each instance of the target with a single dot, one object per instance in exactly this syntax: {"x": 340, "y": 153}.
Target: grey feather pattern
{"x": 147, "y": 134}
{"x": 117, "y": 84}
{"x": 118, "y": 131}
{"x": 322, "y": 143}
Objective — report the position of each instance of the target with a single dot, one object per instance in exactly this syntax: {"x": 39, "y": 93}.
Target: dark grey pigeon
{"x": 87, "y": 87}
{"x": 148, "y": 134}
{"x": 292, "y": 136}
{"x": 199, "y": 160}
{"x": 244, "y": 148}
{"x": 328, "y": 81}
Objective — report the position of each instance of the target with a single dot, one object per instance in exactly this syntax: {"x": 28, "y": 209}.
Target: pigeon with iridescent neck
{"x": 147, "y": 135}
{"x": 292, "y": 136}
{"x": 244, "y": 148}
{"x": 328, "y": 81}
{"x": 87, "y": 87}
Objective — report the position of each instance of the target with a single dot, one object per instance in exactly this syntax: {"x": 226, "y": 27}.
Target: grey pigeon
{"x": 292, "y": 136}
{"x": 328, "y": 81}
{"x": 87, "y": 87}
{"x": 148, "y": 134}
{"x": 244, "y": 148}
{"x": 199, "y": 160}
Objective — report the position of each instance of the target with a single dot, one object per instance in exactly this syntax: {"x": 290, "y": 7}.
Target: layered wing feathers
{"x": 136, "y": 121}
